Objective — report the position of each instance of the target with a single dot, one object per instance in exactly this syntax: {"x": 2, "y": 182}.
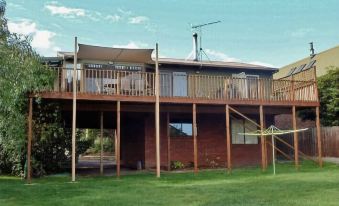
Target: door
{"x": 179, "y": 84}
{"x": 239, "y": 86}
{"x": 252, "y": 86}
{"x": 165, "y": 79}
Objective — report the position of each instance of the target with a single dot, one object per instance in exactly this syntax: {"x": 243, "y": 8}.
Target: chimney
{"x": 195, "y": 47}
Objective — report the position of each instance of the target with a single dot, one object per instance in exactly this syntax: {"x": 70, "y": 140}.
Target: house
{"x": 321, "y": 61}
{"x": 205, "y": 106}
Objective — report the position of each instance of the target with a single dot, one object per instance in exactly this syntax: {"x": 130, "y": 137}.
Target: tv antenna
{"x": 198, "y": 28}
{"x": 312, "y": 50}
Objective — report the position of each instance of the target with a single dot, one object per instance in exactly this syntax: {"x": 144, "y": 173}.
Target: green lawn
{"x": 309, "y": 186}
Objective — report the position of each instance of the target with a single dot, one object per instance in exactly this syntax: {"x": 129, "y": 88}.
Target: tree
{"x": 328, "y": 87}
{"x": 328, "y": 92}
{"x": 21, "y": 72}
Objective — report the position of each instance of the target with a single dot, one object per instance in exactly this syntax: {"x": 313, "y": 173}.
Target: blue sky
{"x": 268, "y": 32}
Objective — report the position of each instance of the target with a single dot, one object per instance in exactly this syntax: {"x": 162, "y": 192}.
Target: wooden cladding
{"x": 192, "y": 86}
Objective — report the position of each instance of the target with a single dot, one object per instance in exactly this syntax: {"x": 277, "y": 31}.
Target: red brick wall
{"x": 211, "y": 144}
{"x": 150, "y": 141}
{"x": 284, "y": 121}
{"x": 132, "y": 140}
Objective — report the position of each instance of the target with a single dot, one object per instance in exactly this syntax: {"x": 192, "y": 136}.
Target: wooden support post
{"x": 101, "y": 143}
{"x": 74, "y": 107}
{"x": 157, "y": 112}
{"x": 295, "y": 138}
{"x": 320, "y": 160}
{"x": 29, "y": 141}
{"x": 168, "y": 142}
{"x": 262, "y": 139}
{"x": 265, "y": 143}
{"x": 117, "y": 152}
{"x": 195, "y": 143}
{"x": 228, "y": 140}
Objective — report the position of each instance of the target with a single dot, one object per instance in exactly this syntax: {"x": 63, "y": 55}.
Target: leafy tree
{"x": 328, "y": 86}
{"x": 21, "y": 74}
{"x": 328, "y": 89}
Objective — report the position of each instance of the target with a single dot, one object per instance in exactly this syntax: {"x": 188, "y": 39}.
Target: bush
{"x": 177, "y": 165}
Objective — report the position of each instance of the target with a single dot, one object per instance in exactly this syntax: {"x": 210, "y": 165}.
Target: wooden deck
{"x": 109, "y": 85}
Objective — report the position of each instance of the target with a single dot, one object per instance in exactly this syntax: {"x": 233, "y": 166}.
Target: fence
{"x": 307, "y": 141}
{"x": 113, "y": 82}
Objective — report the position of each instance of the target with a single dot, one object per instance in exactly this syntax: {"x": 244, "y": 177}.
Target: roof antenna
{"x": 312, "y": 50}
{"x": 198, "y": 28}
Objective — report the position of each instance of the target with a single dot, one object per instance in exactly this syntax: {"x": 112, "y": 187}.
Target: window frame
{"x": 182, "y": 123}
{"x": 244, "y": 137}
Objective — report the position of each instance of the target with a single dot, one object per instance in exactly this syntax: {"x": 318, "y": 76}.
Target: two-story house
{"x": 204, "y": 105}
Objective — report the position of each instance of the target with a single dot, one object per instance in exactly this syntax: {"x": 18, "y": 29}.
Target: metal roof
{"x": 219, "y": 64}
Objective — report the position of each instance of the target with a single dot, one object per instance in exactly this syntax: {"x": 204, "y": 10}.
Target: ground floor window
{"x": 243, "y": 126}
{"x": 180, "y": 129}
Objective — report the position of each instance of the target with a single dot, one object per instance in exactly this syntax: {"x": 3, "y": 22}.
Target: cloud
{"x": 23, "y": 27}
{"x": 113, "y": 18}
{"x": 132, "y": 45}
{"x": 42, "y": 40}
{"x": 56, "y": 9}
{"x": 138, "y": 20}
{"x": 63, "y": 11}
{"x": 15, "y": 6}
{"x": 220, "y": 56}
{"x": 124, "y": 12}
{"x": 224, "y": 57}
{"x": 299, "y": 33}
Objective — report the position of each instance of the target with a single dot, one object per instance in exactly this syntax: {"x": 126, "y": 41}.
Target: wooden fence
{"x": 308, "y": 142}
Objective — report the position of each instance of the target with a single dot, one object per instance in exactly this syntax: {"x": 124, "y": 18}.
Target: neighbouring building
{"x": 321, "y": 61}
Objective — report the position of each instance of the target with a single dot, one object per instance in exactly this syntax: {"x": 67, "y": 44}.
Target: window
{"x": 180, "y": 129}
{"x": 243, "y": 126}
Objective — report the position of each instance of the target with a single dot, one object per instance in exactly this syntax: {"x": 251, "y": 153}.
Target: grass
{"x": 309, "y": 186}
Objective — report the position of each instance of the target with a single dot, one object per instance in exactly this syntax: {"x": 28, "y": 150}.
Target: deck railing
{"x": 131, "y": 83}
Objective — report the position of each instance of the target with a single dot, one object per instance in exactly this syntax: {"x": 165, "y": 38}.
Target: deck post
{"x": 228, "y": 140}
{"x": 295, "y": 138}
{"x": 195, "y": 143}
{"x": 29, "y": 141}
{"x": 168, "y": 142}
{"x": 74, "y": 107}
{"x": 262, "y": 139}
{"x": 101, "y": 143}
{"x": 319, "y": 138}
{"x": 117, "y": 152}
{"x": 157, "y": 111}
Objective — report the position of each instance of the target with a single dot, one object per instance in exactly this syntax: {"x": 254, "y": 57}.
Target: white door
{"x": 239, "y": 89}
{"x": 165, "y": 79}
{"x": 179, "y": 84}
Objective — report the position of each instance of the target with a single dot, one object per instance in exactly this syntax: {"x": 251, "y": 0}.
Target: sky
{"x": 266, "y": 32}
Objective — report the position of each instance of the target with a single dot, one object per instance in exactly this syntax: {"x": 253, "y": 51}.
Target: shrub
{"x": 177, "y": 165}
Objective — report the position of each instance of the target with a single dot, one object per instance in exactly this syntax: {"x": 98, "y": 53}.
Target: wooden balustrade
{"x": 129, "y": 83}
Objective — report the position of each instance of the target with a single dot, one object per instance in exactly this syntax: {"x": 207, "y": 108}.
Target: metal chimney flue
{"x": 195, "y": 47}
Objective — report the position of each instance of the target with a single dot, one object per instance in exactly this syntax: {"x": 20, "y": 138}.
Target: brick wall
{"x": 211, "y": 144}
{"x": 132, "y": 140}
